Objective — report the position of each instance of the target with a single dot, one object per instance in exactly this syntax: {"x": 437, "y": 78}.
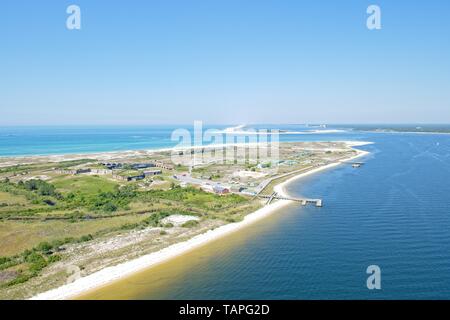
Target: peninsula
{"x": 74, "y": 222}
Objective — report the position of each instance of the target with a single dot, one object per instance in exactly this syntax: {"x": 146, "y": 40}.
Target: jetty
{"x": 353, "y": 163}
{"x": 303, "y": 201}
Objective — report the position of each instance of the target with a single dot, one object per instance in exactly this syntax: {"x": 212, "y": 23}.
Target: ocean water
{"x": 393, "y": 212}
{"x": 40, "y": 140}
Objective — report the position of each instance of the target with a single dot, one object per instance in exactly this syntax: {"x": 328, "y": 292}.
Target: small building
{"x": 163, "y": 165}
{"x": 137, "y": 166}
{"x": 73, "y": 171}
{"x": 152, "y": 172}
{"x": 129, "y": 177}
{"x": 101, "y": 171}
{"x": 136, "y": 178}
{"x": 219, "y": 189}
{"x": 112, "y": 166}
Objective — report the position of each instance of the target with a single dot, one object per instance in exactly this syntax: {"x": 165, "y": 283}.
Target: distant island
{"x": 412, "y": 128}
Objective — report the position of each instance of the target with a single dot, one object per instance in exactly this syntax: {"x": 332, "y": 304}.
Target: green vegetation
{"x": 42, "y": 188}
{"x": 33, "y": 261}
{"x": 85, "y": 184}
{"x": 39, "y": 218}
{"x": 19, "y": 169}
{"x": 196, "y": 198}
{"x": 74, "y": 205}
{"x": 44, "y": 193}
{"x": 190, "y": 224}
{"x": 108, "y": 201}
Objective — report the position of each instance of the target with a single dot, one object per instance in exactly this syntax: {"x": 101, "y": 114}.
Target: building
{"x": 129, "y": 178}
{"x": 163, "y": 165}
{"x": 220, "y": 189}
{"x": 101, "y": 171}
{"x": 136, "y": 178}
{"x": 137, "y": 166}
{"x": 73, "y": 171}
{"x": 152, "y": 172}
{"x": 112, "y": 166}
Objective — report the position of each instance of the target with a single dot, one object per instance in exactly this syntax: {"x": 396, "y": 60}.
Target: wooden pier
{"x": 303, "y": 201}
{"x": 354, "y": 164}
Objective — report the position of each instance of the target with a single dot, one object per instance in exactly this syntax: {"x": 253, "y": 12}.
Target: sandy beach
{"x": 120, "y": 271}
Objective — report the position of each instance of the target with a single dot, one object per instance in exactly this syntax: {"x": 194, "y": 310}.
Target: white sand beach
{"x": 120, "y": 271}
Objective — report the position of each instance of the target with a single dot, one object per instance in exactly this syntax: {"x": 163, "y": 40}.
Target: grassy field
{"x": 40, "y": 218}
{"x": 11, "y": 199}
{"x": 16, "y": 237}
{"x": 87, "y": 184}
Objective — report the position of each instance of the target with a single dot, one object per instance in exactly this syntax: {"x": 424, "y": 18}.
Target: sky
{"x": 224, "y": 61}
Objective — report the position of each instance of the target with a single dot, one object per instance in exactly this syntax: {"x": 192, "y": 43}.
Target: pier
{"x": 303, "y": 201}
{"x": 354, "y": 164}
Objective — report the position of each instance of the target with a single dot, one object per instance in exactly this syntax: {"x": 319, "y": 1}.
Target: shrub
{"x": 41, "y": 187}
{"x": 54, "y": 258}
{"x": 44, "y": 247}
{"x": 20, "y": 279}
{"x": 88, "y": 237}
{"x": 37, "y": 262}
{"x": 109, "y": 207}
{"x": 190, "y": 224}
{"x": 4, "y": 260}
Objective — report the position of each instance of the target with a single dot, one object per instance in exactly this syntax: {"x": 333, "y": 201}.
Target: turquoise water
{"x": 392, "y": 212}
{"x": 18, "y": 141}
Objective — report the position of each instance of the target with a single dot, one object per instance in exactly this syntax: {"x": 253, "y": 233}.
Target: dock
{"x": 302, "y": 201}
{"x": 354, "y": 164}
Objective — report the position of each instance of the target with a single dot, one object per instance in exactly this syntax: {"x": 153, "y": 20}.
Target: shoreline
{"x": 125, "y": 269}
{"x": 105, "y": 155}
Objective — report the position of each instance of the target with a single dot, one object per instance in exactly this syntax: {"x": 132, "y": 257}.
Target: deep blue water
{"x": 393, "y": 212}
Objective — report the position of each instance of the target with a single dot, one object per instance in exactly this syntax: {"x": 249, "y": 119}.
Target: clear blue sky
{"x": 228, "y": 61}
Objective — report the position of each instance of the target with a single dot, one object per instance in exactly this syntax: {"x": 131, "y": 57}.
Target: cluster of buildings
{"x": 222, "y": 189}
{"x": 113, "y": 168}
{"x": 137, "y": 166}
{"x": 73, "y": 171}
{"x": 137, "y": 177}
{"x": 215, "y": 188}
